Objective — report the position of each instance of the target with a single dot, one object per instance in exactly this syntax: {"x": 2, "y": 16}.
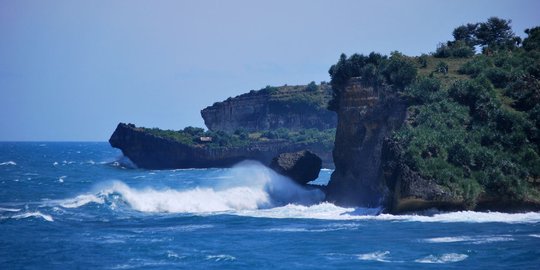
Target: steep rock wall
{"x": 290, "y": 107}
{"x": 366, "y": 117}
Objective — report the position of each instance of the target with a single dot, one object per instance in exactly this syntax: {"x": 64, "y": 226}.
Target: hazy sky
{"x": 71, "y": 70}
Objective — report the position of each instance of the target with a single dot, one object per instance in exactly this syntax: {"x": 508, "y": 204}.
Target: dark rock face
{"x": 152, "y": 152}
{"x": 302, "y": 167}
{"x": 365, "y": 118}
{"x": 264, "y": 110}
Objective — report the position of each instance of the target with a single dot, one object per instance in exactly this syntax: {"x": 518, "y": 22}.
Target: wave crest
{"x": 35, "y": 214}
{"x": 250, "y": 186}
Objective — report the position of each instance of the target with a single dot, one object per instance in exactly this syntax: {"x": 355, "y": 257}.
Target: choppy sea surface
{"x": 81, "y": 206}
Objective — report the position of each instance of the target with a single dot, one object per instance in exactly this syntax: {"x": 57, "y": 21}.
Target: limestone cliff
{"x": 154, "y": 152}
{"x": 290, "y": 107}
{"x": 366, "y": 116}
{"x": 370, "y": 169}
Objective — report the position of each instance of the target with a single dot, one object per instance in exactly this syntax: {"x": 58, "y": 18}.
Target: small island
{"x": 258, "y": 125}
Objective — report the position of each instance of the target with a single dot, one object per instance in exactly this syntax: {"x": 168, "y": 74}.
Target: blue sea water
{"x": 81, "y": 206}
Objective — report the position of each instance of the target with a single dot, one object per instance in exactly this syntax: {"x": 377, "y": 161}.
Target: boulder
{"x": 302, "y": 167}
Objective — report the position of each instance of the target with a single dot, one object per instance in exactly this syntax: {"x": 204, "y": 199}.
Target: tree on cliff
{"x": 532, "y": 42}
{"x": 467, "y": 34}
{"x": 312, "y": 87}
{"x": 494, "y": 34}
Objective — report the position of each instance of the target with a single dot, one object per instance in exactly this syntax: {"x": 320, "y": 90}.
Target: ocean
{"x": 82, "y": 206}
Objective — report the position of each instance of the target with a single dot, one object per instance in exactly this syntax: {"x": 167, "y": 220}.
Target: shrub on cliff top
{"x": 374, "y": 70}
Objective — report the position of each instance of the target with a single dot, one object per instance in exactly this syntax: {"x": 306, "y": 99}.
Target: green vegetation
{"x": 474, "y": 120}
{"x": 240, "y": 138}
{"x": 300, "y": 98}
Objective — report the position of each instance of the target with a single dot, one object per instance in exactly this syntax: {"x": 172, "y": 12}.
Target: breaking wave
{"x": 251, "y": 189}
{"x": 251, "y": 186}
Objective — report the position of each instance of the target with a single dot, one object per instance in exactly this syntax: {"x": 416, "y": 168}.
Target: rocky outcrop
{"x": 153, "y": 152}
{"x": 302, "y": 167}
{"x": 290, "y": 107}
{"x": 410, "y": 192}
{"x": 366, "y": 116}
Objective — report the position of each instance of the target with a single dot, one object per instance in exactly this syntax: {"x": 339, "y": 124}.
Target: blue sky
{"x": 71, "y": 70}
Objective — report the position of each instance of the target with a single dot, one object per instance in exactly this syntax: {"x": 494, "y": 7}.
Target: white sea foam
{"x": 8, "y": 163}
{"x": 221, "y": 257}
{"x": 472, "y": 217}
{"x": 33, "y": 214}
{"x": 318, "y": 211}
{"x": 379, "y": 256}
{"x": 534, "y": 235}
{"x": 479, "y": 239}
{"x": 329, "y": 211}
{"x": 444, "y": 258}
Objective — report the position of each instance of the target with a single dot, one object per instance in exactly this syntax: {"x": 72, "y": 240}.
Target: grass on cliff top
{"x": 311, "y": 95}
{"x": 430, "y": 69}
{"x": 192, "y": 137}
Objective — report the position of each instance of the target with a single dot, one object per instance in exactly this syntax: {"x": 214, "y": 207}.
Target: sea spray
{"x": 247, "y": 186}
{"x": 281, "y": 189}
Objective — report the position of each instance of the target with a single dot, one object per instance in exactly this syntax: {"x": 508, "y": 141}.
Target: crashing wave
{"x": 250, "y": 186}
{"x": 251, "y": 189}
